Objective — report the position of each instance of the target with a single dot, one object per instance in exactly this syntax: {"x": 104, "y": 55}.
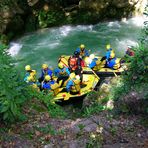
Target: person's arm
{"x": 67, "y": 71}
{"x": 92, "y": 64}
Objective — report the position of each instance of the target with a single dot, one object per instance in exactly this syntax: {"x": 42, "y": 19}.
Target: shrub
{"x": 50, "y": 18}
{"x": 47, "y": 99}
{"x": 12, "y": 92}
{"x": 132, "y": 92}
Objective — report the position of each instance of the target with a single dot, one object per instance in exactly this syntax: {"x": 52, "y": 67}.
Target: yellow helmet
{"x": 108, "y": 46}
{"x": 72, "y": 75}
{"x": 112, "y": 55}
{"x": 60, "y": 65}
{"x": 44, "y": 66}
{"x": 92, "y": 56}
{"x": 82, "y": 46}
{"x": 47, "y": 78}
{"x": 27, "y": 67}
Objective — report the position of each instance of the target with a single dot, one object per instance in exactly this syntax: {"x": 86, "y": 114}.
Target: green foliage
{"x": 53, "y": 109}
{"x": 144, "y": 38}
{"x": 47, "y": 129}
{"x": 137, "y": 72}
{"x": 50, "y": 18}
{"x": 12, "y": 92}
{"x": 94, "y": 103}
{"x": 95, "y": 108}
{"x": 84, "y": 17}
{"x": 95, "y": 140}
{"x": 135, "y": 79}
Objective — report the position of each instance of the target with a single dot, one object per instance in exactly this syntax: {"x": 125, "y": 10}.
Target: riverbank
{"x": 98, "y": 121}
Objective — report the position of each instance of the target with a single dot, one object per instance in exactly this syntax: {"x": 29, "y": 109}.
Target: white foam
{"x": 114, "y": 24}
{"x": 53, "y": 45}
{"x": 84, "y": 27}
{"x": 14, "y": 49}
{"x": 123, "y": 44}
{"x": 138, "y": 21}
{"x": 65, "y": 30}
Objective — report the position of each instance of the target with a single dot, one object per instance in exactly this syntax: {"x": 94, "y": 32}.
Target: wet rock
{"x": 112, "y": 9}
{"x": 91, "y": 127}
{"x": 49, "y": 146}
{"x": 110, "y": 104}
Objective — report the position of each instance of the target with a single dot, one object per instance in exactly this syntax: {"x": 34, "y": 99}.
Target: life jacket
{"x": 114, "y": 63}
{"x": 63, "y": 72}
{"x": 28, "y": 75}
{"x": 82, "y": 63}
{"x": 63, "y": 60}
{"x": 76, "y": 88}
{"x": 73, "y": 63}
{"x": 82, "y": 53}
{"x": 47, "y": 85}
{"x": 117, "y": 64}
{"x": 55, "y": 88}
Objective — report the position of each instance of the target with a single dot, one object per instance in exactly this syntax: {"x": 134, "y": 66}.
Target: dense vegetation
{"x": 132, "y": 90}
{"x": 14, "y": 94}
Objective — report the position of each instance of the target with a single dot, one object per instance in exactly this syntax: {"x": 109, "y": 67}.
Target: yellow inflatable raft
{"x": 89, "y": 82}
{"x": 99, "y": 70}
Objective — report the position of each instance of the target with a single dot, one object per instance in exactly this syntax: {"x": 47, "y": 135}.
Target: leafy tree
{"x": 132, "y": 91}
{"x": 12, "y": 92}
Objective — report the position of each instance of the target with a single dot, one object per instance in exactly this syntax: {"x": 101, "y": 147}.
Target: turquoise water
{"x": 46, "y": 45}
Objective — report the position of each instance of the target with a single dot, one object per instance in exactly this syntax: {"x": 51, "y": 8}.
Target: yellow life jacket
{"x": 82, "y": 53}
{"x": 55, "y": 88}
{"x": 63, "y": 61}
{"x": 32, "y": 76}
{"x": 76, "y": 87}
{"x": 117, "y": 65}
{"x": 99, "y": 64}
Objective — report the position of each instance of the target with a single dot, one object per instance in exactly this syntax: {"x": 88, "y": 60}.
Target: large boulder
{"x": 7, "y": 13}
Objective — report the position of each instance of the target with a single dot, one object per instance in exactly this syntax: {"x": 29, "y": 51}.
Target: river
{"x": 46, "y": 45}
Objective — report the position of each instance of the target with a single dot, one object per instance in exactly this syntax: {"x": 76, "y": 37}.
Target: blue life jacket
{"x": 46, "y": 72}
{"x": 93, "y": 63}
{"x": 58, "y": 70}
{"x": 47, "y": 85}
{"x": 83, "y": 53}
{"x": 111, "y": 63}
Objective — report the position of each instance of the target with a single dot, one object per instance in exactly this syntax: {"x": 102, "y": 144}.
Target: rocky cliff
{"x": 17, "y": 16}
